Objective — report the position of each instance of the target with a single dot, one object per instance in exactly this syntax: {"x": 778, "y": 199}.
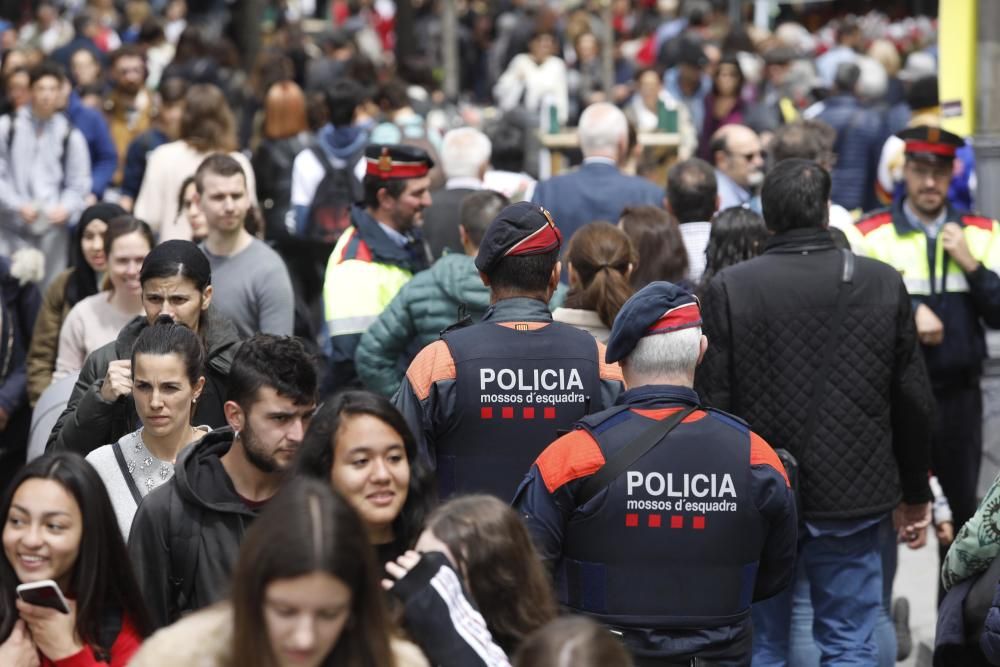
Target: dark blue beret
{"x": 657, "y": 308}
{"x": 520, "y": 229}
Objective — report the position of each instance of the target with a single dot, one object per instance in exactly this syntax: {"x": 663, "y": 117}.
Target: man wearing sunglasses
{"x": 739, "y": 166}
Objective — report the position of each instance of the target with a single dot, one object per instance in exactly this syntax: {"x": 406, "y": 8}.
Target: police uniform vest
{"x": 517, "y": 387}
{"x": 675, "y": 540}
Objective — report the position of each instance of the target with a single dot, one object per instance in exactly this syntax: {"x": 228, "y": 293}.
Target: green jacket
{"x": 425, "y": 306}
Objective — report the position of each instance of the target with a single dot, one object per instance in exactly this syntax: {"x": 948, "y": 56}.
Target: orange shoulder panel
{"x": 432, "y": 364}
{"x": 762, "y": 454}
{"x": 870, "y": 224}
{"x": 663, "y": 413}
{"x": 572, "y": 456}
{"x": 978, "y": 221}
{"x": 607, "y": 371}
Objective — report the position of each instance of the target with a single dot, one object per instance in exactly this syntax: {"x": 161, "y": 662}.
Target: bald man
{"x": 739, "y": 165}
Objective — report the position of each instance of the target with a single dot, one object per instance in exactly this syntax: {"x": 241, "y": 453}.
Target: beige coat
{"x": 205, "y": 638}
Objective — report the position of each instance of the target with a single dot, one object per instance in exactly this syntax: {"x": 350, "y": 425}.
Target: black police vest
{"x": 676, "y": 539}
{"x": 515, "y": 389}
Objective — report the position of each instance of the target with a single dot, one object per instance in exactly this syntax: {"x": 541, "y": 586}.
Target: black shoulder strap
{"x": 136, "y": 496}
{"x": 10, "y": 135}
{"x": 832, "y": 340}
{"x": 184, "y": 537}
{"x": 324, "y": 161}
{"x": 629, "y": 454}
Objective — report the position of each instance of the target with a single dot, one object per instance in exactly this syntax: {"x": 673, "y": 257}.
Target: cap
{"x": 519, "y": 230}
{"x": 925, "y": 142}
{"x": 393, "y": 161}
{"x": 780, "y": 55}
{"x": 657, "y": 308}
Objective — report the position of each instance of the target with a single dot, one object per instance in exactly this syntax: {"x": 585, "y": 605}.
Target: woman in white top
{"x": 207, "y": 127}
{"x": 96, "y": 320}
{"x": 167, "y": 379}
{"x": 535, "y": 78}
{"x": 600, "y": 258}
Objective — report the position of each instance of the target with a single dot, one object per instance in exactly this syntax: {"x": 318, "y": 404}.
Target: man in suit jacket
{"x": 597, "y": 190}
{"x": 465, "y": 158}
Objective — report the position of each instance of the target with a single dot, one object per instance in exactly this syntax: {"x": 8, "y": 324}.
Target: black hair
{"x": 44, "y": 69}
{"x": 692, "y": 190}
{"x": 796, "y": 194}
{"x": 718, "y": 142}
{"x": 342, "y": 100}
{"x": 165, "y": 336}
{"x": 102, "y": 579}
{"x": 316, "y": 455}
{"x": 83, "y": 281}
{"x": 738, "y": 234}
{"x": 477, "y": 211}
{"x": 923, "y": 93}
{"x": 123, "y": 225}
{"x": 392, "y": 95}
{"x": 523, "y": 274}
{"x": 507, "y": 137}
{"x": 394, "y": 187}
{"x": 177, "y": 258}
{"x": 172, "y": 90}
{"x": 279, "y": 362}
{"x": 729, "y": 59}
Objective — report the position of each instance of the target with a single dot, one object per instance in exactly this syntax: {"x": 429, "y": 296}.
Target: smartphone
{"x": 44, "y": 593}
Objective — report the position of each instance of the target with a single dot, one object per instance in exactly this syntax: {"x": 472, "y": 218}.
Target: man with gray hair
{"x": 662, "y": 519}
{"x": 597, "y": 190}
{"x": 465, "y": 158}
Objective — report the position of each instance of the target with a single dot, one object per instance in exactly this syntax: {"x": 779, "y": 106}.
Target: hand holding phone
{"x": 44, "y": 593}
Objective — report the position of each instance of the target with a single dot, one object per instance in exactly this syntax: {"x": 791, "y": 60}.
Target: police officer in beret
{"x": 377, "y": 254}
{"x": 949, "y": 260}
{"x": 486, "y": 399}
{"x": 661, "y": 518}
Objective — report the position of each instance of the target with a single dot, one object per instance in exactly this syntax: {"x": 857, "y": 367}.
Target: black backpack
{"x": 330, "y": 211}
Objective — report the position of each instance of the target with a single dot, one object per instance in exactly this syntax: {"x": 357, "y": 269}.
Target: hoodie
{"x": 343, "y": 147}
{"x": 187, "y": 533}
{"x": 89, "y": 421}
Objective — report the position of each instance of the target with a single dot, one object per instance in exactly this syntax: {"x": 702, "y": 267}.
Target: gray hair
{"x": 464, "y": 151}
{"x": 674, "y": 353}
{"x": 602, "y": 128}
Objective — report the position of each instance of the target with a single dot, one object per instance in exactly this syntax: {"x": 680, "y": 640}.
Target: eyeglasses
{"x": 747, "y": 156}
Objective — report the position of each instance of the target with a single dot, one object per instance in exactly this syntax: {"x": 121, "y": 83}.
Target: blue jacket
{"x": 860, "y": 136}
{"x": 136, "y": 158}
{"x": 19, "y": 305}
{"x": 595, "y": 191}
{"x": 103, "y": 154}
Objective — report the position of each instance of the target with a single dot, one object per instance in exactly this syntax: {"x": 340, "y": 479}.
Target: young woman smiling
{"x": 361, "y": 444}
{"x": 59, "y": 525}
{"x": 167, "y": 381}
{"x": 305, "y": 594}
{"x": 96, "y": 320}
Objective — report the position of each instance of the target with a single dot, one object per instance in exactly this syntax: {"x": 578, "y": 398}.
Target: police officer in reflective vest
{"x": 663, "y": 519}
{"x": 949, "y": 261}
{"x": 486, "y": 399}
{"x": 377, "y": 254}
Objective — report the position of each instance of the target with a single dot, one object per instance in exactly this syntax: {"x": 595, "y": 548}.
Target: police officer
{"x": 485, "y": 399}
{"x": 377, "y": 254}
{"x": 949, "y": 262}
{"x": 663, "y": 519}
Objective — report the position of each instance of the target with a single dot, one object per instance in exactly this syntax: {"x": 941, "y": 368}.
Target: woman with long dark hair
{"x": 59, "y": 525}
{"x": 82, "y": 279}
{"x": 724, "y": 105}
{"x": 360, "y": 443}
{"x": 738, "y": 234}
{"x": 305, "y": 593}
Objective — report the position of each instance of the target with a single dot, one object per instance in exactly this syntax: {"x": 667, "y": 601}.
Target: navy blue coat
{"x": 860, "y": 136}
{"x": 595, "y": 191}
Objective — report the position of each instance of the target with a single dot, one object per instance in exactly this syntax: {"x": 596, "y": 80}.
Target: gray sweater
{"x": 252, "y": 288}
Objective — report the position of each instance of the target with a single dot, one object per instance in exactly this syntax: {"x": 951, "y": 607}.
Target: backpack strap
{"x": 129, "y": 480}
{"x": 65, "y": 150}
{"x": 11, "y": 132}
{"x": 107, "y": 634}
{"x": 320, "y": 154}
{"x": 185, "y": 538}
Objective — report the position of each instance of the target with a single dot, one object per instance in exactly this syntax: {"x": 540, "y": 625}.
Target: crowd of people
{"x": 304, "y": 362}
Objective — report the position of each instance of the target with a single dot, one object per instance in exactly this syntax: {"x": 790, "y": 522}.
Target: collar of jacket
{"x": 191, "y": 469}
{"x": 902, "y": 223}
{"x": 657, "y": 396}
{"x": 801, "y": 241}
{"x": 218, "y": 334}
{"x": 518, "y": 309}
{"x": 383, "y": 250}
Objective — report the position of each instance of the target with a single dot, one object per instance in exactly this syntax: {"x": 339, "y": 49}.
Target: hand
{"x": 90, "y": 199}
{"x": 28, "y": 213}
{"x": 54, "y": 632}
{"x": 117, "y": 381}
{"x": 945, "y": 532}
{"x": 911, "y": 523}
{"x": 930, "y": 329}
{"x": 58, "y": 215}
{"x": 19, "y": 650}
{"x": 954, "y": 243}
{"x": 4, "y": 418}
{"x": 400, "y": 568}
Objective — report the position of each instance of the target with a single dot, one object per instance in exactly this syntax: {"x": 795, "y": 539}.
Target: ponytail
{"x": 601, "y": 255}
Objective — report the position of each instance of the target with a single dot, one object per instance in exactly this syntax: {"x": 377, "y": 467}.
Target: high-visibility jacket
{"x": 963, "y": 301}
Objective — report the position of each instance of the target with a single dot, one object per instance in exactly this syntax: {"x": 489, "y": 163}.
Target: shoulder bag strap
{"x": 629, "y": 454}
{"x": 136, "y": 496}
{"x": 833, "y": 336}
